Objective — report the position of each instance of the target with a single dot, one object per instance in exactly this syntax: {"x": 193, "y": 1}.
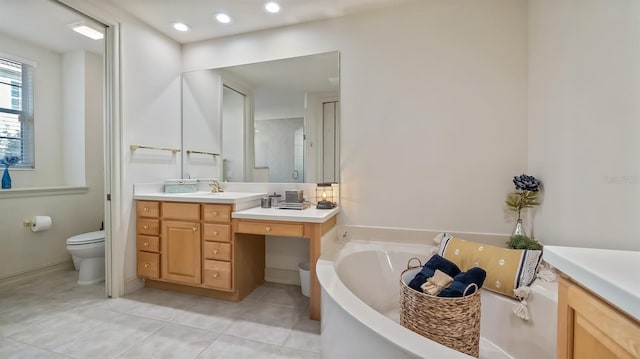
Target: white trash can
{"x": 303, "y": 268}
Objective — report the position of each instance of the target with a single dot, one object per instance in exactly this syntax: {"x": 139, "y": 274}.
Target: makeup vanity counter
{"x": 598, "y": 302}
{"x": 214, "y": 243}
{"x": 310, "y": 223}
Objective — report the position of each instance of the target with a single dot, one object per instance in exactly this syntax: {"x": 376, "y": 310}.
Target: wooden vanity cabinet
{"x": 191, "y": 247}
{"x": 217, "y": 247}
{"x": 148, "y": 239}
{"x": 591, "y": 328}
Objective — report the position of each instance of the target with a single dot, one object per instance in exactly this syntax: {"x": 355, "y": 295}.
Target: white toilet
{"x": 87, "y": 250}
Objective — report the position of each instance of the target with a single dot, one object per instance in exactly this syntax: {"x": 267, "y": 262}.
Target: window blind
{"x": 16, "y": 111}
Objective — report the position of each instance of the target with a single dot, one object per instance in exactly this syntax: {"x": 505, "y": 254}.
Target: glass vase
{"x": 6, "y": 179}
{"x": 518, "y": 229}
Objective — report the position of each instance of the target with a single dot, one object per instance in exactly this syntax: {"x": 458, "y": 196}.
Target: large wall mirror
{"x": 275, "y": 121}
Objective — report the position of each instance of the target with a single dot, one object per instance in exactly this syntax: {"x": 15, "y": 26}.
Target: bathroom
{"x": 67, "y": 181}
{"x": 425, "y": 124}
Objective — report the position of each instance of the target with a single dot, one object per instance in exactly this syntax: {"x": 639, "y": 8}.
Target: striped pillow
{"x": 507, "y": 269}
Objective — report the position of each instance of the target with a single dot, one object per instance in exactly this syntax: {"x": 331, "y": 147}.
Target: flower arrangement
{"x": 525, "y": 196}
{"x": 10, "y": 160}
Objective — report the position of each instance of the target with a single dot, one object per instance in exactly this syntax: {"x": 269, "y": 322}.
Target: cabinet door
{"x": 590, "y": 328}
{"x": 181, "y": 252}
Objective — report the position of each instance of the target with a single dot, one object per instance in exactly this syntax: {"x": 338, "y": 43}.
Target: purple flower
{"x": 526, "y": 183}
{"x": 9, "y": 160}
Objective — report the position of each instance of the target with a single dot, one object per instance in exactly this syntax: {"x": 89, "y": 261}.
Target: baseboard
{"x": 131, "y": 285}
{"x": 36, "y": 272}
{"x": 283, "y": 276}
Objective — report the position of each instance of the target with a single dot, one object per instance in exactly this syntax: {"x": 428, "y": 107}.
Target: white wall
{"x": 201, "y": 105}
{"x": 584, "y": 127}
{"x": 73, "y": 88}
{"x": 150, "y": 116}
{"x": 433, "y": 107}
{"x": 233, "y": 119}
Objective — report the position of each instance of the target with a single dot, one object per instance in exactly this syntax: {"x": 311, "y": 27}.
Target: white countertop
{"x": 611, "y": 274}
{"x": 311, "y": 214}
{"x": 202, "y": 197}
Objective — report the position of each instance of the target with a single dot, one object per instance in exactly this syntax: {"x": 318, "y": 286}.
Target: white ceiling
{"x": 248, "y": 15}
{"x": 44, "y": 22}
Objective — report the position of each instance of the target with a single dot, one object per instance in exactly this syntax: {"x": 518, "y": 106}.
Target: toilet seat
{"x": 86, "y": 238}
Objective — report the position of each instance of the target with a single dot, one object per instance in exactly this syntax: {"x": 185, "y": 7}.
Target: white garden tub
{"x": 360, "y": 310}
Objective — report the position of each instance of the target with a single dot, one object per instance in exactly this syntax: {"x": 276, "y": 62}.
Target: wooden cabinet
{"x": 148, "y": 239}
{"x": 590, "y": 328}
{"x": 217, "y": 256}
{"x": 191, "y": 247}
{"x": 272, "y": 229}
{"x": 181, "y": 252}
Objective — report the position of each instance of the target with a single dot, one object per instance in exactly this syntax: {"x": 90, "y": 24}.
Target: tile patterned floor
{"x": 52, "y": 317}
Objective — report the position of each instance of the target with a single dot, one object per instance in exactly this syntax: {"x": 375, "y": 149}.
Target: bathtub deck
{"x": 487, "y": 349}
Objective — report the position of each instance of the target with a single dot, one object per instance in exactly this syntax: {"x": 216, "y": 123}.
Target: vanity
{"x": 598, "y": 302}
{"x": 213, "y": 244}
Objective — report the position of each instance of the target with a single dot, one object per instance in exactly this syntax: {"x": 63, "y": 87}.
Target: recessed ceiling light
{"x": 272, "y": 7}
{"x": 84, "y": 29}
{"x": 223, "y": 18}
{"x": 180, "y": 26}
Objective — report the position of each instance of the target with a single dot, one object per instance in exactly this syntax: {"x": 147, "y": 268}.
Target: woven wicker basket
{"x": 453, "y": 322}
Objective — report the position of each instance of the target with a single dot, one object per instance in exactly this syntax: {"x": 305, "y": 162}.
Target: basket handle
{"x": 409, "y": 263}
{"x": 467, "y": 288}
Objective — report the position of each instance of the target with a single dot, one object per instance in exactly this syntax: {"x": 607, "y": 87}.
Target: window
{"x": 16, "y": 111}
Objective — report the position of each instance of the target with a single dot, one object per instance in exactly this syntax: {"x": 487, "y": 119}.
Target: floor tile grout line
{"x": 140, "y": 341}
{"x": 253, "y": 339}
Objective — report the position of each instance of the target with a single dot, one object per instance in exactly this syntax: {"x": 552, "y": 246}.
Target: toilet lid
{"x": 86, "y": 238}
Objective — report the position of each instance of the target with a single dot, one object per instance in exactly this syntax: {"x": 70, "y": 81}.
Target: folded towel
{"x": 436, "y": 283}
{"x": 429, "y": 269}
{"x": 462, "y": 281}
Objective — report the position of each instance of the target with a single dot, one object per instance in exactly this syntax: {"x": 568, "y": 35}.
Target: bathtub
{"x": 360, "y": 310}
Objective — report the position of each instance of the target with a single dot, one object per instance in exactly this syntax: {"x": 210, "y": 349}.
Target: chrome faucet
{"x": 215, "y": 187}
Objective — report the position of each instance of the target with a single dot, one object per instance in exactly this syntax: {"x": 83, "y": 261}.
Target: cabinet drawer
{"x": 217, "y": 274}
{"x": 218, "y": 251}
{"x": 148, "y": 209}
{"x": 148, "y": 265}
{"x": 217, "y": 232}
{"x": 271, "y": 228}
{"x": 148, "y": 226}
{"x": 188, "y": 211}
{"x": 216, "y": 213}
{"x": 148, "y": 243}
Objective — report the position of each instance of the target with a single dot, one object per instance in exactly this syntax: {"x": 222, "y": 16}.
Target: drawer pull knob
{"x": 145, "y": 226}
{"x": 146, "y": 244}
{"x": 195, "y": 228}
{"x": 215, "y": 275}
{"x": 215, "y": 233}
{"x": 267, "y": 229}
{"x": 215, "y": 213}
{"x": 146, "y": 209}
{"x": 146, "y": 265}
{"x": 215, "y": 251}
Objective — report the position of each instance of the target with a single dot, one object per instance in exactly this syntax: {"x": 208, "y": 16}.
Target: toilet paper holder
{"x": 37, "y": 223}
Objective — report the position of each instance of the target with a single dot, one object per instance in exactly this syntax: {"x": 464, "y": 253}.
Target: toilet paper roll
{"x": 40, "y": 223}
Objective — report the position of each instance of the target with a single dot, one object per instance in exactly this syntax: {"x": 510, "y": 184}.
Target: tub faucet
{"x": 215, "y": 187}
